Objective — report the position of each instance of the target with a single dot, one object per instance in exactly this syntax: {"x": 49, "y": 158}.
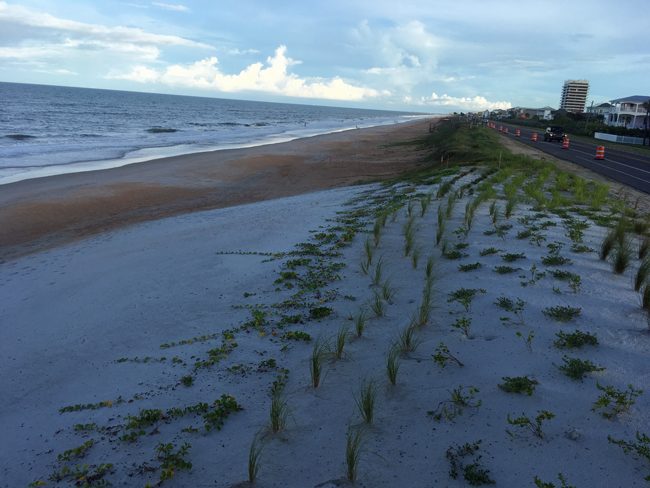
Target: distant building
{"x": 544, "y": 113}
{"x": 603, "y": 109}
{"x": 574, "y": 95}
{"x": 628, "y": 112}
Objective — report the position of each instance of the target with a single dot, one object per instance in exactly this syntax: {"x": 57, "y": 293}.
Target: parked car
{"x": 554, "y": 133}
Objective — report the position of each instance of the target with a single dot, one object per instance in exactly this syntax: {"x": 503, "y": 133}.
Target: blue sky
{"x": 428, "y": 56}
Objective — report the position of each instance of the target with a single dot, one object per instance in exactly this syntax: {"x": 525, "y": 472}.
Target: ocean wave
{"x": 20, "y": 137}
{"x": 161, "y": 130}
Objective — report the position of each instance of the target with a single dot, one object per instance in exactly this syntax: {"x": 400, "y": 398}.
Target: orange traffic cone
{"x": 600, "y": 152}
{"x": 517, "y": 133}
{"x": 534, "y": 137}
{"x": 565, "y": 143}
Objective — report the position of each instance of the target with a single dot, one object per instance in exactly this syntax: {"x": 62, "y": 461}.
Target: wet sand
{"x": 46, "y": 212}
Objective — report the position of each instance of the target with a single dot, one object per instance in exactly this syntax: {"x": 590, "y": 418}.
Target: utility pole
{"x": 646, "y": 135}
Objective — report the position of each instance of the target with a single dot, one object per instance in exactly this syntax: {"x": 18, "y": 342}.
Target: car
{"x": 554, "y": 133}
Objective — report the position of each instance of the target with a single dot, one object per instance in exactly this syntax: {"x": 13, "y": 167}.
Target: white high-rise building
{"x": 574, "y": 95}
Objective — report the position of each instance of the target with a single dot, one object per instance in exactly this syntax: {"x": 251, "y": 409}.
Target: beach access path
{"x": 42, "y": 213}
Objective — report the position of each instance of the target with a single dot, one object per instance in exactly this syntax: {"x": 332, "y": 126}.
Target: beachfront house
{"x": 628, "y": 112}
{"x": 601, "y": 110}
{"x": 544, "y": 113}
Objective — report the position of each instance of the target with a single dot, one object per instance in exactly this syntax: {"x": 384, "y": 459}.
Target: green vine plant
{"x": 514, "y": 306}
{"x": 533, "y": 426}
{"x": 613, "y": 402}
{"x": 465, "y": 296}
{"x": 640, "y": 448}
{"x": 461, "y": 398}
{"x": 547, "y": 484}
{"x": 443, "y": 356}
{"x": 473, "y": 472}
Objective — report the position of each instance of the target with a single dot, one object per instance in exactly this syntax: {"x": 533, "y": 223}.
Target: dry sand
{"x": 40, "y": 213}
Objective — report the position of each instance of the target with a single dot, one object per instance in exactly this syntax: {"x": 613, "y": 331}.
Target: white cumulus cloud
{"x": 475, "y": 103}
{"x": 271, "y": 77}
{"x": 174, "y": 7}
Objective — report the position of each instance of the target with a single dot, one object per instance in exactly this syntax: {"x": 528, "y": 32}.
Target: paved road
{"x": 628, "y": 168}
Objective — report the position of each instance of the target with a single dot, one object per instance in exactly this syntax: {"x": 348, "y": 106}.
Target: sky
{"x": 425, "y": 56}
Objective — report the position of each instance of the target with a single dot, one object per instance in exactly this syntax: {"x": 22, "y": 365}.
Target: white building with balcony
{"x": 628, "y": 112}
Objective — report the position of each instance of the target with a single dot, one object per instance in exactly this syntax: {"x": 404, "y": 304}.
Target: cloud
{"x": 273, "y": 77}
{"x": 475, "y": 103}
{"x": 171, "y": 6}
{"x": 18, "y": 15}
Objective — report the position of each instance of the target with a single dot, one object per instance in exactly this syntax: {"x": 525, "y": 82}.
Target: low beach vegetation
{"x": 614, "y": 402}
{"x": 366, "y": 399}
{"x": 533, "y": 426}
{"x": 393, "y": 363}
{"x": 577, "y": 369}
{"x": 547, "y": 484}
{"x": 461, "y": 398}
{"x": 518, "y": 384}
{"x": 562, "y": 313}
{"x": 466, "y": 460}
{"x": 465, "y": 296}
{"x": 574, "y": 340}
{"x": 353, "y": 443}
{"x": 443, "y": 356}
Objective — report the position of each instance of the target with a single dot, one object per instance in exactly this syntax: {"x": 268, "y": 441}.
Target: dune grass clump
{"x": 512, "y": 257}
{"x": 574, "y": 340}
{"x": 576, "y": 369}
{"x": 377, "y": 305}
{"x": 621, "y": 255}
{"x": 353, "y": 444}
{"x": 428, "y": 269}
{"x": 451, "y": 201}
{"x": 340, "y": 340}
{"x": 360, "y": 320}
{"x": 424, "y": 204}
{"x": 407, "y": 339}
{"x": 279, "y": 410}
{"x": 642, "y": 274}
{"x": 366, "y": 400}
{"x": 415, "y": 257}
{"x": 393, "y": 363}
{"x": 409, "y": 236}
{"x": 316, "y": 361}
{"x": 644, "y": 247}
{"x": 612, "y": 238}
{"x": 254, "y": 457}
{"x": 378, "y": 273}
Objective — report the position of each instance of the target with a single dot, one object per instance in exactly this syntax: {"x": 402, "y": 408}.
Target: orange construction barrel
{"x": 517, "y": 133}
{"x": 565, "y": 143}
{"x": 600, "y": 152}
{"x": 505, "y": 130}
{"x": 534, "y": 137}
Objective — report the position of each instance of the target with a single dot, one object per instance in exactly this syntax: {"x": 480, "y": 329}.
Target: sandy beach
{"x": 153, "y": 353}
{"x": 40, "y": 213}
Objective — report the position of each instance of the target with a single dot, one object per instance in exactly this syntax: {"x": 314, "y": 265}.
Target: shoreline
{"x": 41, "y": 213}
{"x": 153, "y": 153}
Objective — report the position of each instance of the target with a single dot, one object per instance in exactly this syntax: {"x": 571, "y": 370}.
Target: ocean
{"x": 49, "y": 130}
